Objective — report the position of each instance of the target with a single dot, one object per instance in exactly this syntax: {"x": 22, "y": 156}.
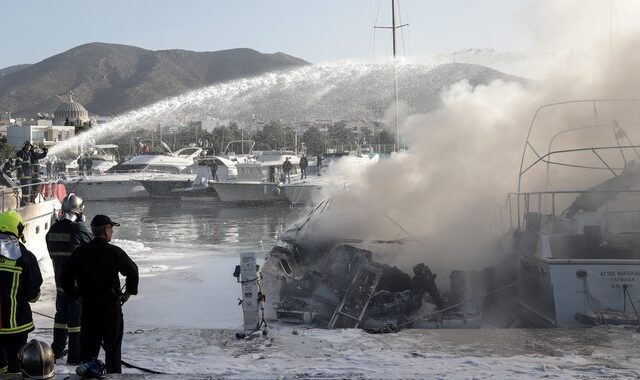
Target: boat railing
{"x": 539, "y": 204}
{"x": 15, "y": 196}
{"x": 618, "y": 157}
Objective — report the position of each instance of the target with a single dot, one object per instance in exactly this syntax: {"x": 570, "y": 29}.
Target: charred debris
{"x": 337, "y": 284}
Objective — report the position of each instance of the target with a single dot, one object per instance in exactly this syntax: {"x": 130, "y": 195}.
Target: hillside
{"x": 109, "y": 79}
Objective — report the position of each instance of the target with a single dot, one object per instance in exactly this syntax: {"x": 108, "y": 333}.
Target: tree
{"x": 314, "y": 140}
{"x": 270, "y": 137}
{"x": 6, "y": 150}
{"x": 385, "y": 138}
{"x": 82, "y": 127}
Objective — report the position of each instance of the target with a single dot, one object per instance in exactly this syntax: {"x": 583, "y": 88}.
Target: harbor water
{"x": 186, "y": 253}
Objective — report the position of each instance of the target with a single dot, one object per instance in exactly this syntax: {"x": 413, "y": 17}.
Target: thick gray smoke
{"x": 464, "y": 157}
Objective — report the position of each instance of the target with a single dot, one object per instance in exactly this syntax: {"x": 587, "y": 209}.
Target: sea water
{"x": 186, "y": 253}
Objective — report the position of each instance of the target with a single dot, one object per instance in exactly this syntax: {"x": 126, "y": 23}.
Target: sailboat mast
{"x": 393, "y": 27}
{"x": 396, "y": 146}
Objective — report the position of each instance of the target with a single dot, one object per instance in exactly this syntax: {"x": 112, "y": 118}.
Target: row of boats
{"x": 190, "y": 174}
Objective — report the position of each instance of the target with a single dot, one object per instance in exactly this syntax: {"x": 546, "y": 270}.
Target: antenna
{"x": 393, "y": 28}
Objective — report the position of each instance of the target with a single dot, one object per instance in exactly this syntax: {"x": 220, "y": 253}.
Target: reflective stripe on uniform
{"x": 60, "y": 326}
{"x": 14, "y": 300}
{"x": 17, "y": 329}
{"x": 59, "y": 236}
{"x": 73, "y": 330}
{"x": 59, "y": 254}
{"x": 4, "y": 370}
{"x": 8, "y": 265}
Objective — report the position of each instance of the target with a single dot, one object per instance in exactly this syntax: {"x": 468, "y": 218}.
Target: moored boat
{"x": 259, "y": 181}
{"x": 575, "y": 229}
{"x": 122, "y": 180}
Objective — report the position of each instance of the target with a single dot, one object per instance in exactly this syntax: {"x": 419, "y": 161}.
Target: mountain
{"x": 110, "y": 79}
{"x": 12, "y": 69}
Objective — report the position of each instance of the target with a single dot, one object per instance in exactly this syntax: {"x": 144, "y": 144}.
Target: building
{"x": 70, "y": 113}
{"x": 46, "y": 131}
{"x": 42, "y": 132}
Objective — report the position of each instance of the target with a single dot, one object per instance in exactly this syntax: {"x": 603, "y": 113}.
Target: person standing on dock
{"x": 20, "y": 281}
{"x": 304, "y": 163}
{"x": 27, "y": 161}
{"x": 286, "y": 169}
{"x": 319, "y": 165}
{"x": 214, "y": 169}
{"x": 66, "y": 234}
{"x": 93, "y": 276}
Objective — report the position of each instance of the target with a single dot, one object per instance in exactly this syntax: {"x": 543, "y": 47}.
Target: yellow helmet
{"x": 11, "y": 223}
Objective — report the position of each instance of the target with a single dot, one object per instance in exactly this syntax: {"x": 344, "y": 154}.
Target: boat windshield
{"x": 134, "y": 168}
{"x": 127, "y": 168}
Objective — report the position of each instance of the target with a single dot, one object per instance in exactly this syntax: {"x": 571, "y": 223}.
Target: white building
{"x": 43, "y": 132}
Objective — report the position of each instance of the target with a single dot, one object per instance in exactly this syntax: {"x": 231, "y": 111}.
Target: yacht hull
{"x": 307, "y": 193}
{"x": 557, "y": 290}
{"x": 164, "y": 188}
{"x": 97, "y": 190}
{"x": 243, "y": 192}
{"x": 38, "y": 218}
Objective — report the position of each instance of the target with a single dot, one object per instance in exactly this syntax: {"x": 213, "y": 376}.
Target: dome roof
{"x": 72, "y": 111}
{"x": 71, "y": 106}
{"x": 67, "y": 107}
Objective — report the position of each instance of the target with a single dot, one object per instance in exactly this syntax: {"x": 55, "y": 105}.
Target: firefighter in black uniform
{"x": 20, "y": 281}
{"x": 65, "y": 235}
{"x": 92, "y": 275}
{"x": 27, "y": 161}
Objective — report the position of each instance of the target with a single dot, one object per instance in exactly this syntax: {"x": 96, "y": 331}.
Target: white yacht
{"x": 574, "y": 241}
{"x": 338, "y": 172}
{"x": 122, "y": 180}
{"x": 199, "y": 175}
{"x": 259, "y": 181}
{"x": 103, "y": 157}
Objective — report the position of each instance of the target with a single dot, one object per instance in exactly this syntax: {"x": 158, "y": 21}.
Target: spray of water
{"x": 303, "y": 94}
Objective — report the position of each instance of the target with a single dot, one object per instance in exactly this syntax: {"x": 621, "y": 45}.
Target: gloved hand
{"x": 124, "y": 297}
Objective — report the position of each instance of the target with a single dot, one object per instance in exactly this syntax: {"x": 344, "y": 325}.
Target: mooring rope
{"x": 489, "y": 293}
{"x": 124, "y": 363}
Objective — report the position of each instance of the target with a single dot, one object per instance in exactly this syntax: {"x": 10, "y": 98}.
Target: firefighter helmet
{"x": 11, "y": 223}
{"x": 73, "y": 203}
{"x": 36, "y": 360}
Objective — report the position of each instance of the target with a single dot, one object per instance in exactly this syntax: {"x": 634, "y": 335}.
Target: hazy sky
{"x": 318, "y": 30}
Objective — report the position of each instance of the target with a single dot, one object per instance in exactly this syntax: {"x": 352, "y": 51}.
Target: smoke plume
{"x": 464, "y": 157}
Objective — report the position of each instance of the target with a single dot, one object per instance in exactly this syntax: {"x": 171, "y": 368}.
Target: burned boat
{"x": 346, "y": 283}
{"x": 574, "y": 221}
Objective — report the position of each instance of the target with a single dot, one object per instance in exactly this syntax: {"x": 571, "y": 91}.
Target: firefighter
{"x": 20, "y": 281}
{"x": 65, "y": 235}
{"x": 27, "y": 161}
{"x": 92, "y": 275}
